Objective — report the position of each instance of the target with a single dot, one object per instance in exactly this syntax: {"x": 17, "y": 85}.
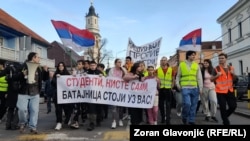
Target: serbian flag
{"x": 192, "y": 41}
{"x": 77, "y": 39}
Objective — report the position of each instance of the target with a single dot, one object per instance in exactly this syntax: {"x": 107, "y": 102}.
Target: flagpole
{"x": 70, "y": 59}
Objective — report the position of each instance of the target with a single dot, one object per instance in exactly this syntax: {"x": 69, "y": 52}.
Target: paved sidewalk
{"x": 243, "y": 109}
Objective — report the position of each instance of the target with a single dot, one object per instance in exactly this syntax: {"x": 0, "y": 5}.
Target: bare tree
{"x": 99, "y": 54}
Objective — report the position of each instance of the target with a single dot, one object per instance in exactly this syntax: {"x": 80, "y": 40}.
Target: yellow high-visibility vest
{"x": 188, "y": 77}
{"x": 3, "y": 84}
{"x": 145, "y": 73}
{"x": 166, "y": 80}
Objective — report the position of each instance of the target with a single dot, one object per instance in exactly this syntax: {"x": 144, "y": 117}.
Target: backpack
{"x": 235, "y": 78}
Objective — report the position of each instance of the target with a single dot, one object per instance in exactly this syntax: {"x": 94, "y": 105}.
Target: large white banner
{"x": 148, "y": 53}
{"x": 106, "y": 90}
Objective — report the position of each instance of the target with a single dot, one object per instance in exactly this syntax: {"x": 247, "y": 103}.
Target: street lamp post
{"x": 119, "y": 52}
{"x": 201, "y": 56}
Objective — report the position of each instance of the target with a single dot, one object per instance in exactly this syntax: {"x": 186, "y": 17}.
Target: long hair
{"x": 209, "y": 69}
{"x": 123, "y": 71}
{"x": 63, "y": 72}
{"x": 134, "y": 68}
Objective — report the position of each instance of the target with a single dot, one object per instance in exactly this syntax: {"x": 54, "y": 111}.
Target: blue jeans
{"x": 190, "y": 97}
{"x": 28, "y": 108}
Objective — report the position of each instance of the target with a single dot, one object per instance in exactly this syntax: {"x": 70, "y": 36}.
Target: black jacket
{"x": 24, "y": 86}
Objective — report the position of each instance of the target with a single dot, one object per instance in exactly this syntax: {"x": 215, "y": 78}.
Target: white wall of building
{"x": 238, "y": 49}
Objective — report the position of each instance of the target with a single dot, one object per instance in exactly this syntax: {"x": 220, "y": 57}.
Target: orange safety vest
{"x": 224, "y": 82}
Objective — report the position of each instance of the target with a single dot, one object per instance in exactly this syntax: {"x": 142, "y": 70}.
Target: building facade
{"x": 17, "y": 41}
{"x": 235, "y": 26}
{"x": 62, "y": 53}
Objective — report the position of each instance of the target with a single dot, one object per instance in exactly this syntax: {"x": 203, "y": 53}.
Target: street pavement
{"x": 46, "y": 125}
{"x": 243, "y": 108}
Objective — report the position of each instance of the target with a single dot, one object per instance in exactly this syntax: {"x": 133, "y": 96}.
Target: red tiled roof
{"x": 9, "y": 21}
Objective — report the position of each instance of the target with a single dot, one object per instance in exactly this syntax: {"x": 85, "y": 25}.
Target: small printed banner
{"x": 106, "y": 90}
{"x": 148, "y": 53}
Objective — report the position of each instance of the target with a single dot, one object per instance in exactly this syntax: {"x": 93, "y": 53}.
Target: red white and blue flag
{"x": 77, "y": 39}
{"x": 192, "y": 41}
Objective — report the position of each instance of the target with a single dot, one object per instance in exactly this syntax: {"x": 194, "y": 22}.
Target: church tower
{"x": 92, "y": 24}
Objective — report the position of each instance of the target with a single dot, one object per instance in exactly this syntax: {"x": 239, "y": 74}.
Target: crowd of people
{"x": 184, "y": 85}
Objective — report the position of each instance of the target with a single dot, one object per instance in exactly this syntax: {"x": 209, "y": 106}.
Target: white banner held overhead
{"x": 148, "y": 53}
{"x": 106, "y": 90}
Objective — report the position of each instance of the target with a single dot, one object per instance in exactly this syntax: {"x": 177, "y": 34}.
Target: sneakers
{"x": 191, "y": 123}
{"x": 155, "y": 123}
{"x": 33, "y": 131}
{"x": 48, "y": 111}
{"x": 184, "y": 121}
{"x": 215, "y": 119}
{"x": 113, "y": 125}
{"x": 120, "y": 123}
{"x": 207, "y": 118}
{"x": 91, "y": 127}
{"x": 22, "y": 129}
{"x": 75, "y": 125}
{"x": 58, "y": 126}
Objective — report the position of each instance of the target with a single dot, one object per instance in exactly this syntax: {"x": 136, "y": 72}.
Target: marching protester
{"x": 49, "y": 90}
{"x": 78, "y": 107}
{"x": 28, "y": 97}
{"x": 93, "y": 108}
{"x": 153, "y": 112}
{"x": 12, "y": 93}
{"x": 167, "y": 79}
{"x": 199, "y": 99}
{"x": 86, "y": 65}
{"x": 135, "y": 74}
{"x": 224, "y": 77}
{"x": 117, "y": 111}
{"x": 145, "y": 73}
{"x": 3, "y": 91}
{"x": 84, "y": 106}
{"x": 104, "y": 113}
{"x": 67, "y": 108}
{"x": 208, "y": 93}
{"x": 178, "y": 97}
{"x": 128, "y": 63}
{"x": 189, "y": 81}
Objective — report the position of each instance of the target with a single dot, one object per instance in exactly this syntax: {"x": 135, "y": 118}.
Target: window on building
{"x": 88, "y": 21}
{"x": 230, "y": 35}
{"x": 240, "y": 29}
{"x": 241, "y": 67}
{"x": 1, "y": 41}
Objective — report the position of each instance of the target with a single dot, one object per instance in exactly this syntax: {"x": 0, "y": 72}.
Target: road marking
{"x": 51, "y": 137}
{"x": 116, "y": 135}
{"x": 38, "y": 137}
